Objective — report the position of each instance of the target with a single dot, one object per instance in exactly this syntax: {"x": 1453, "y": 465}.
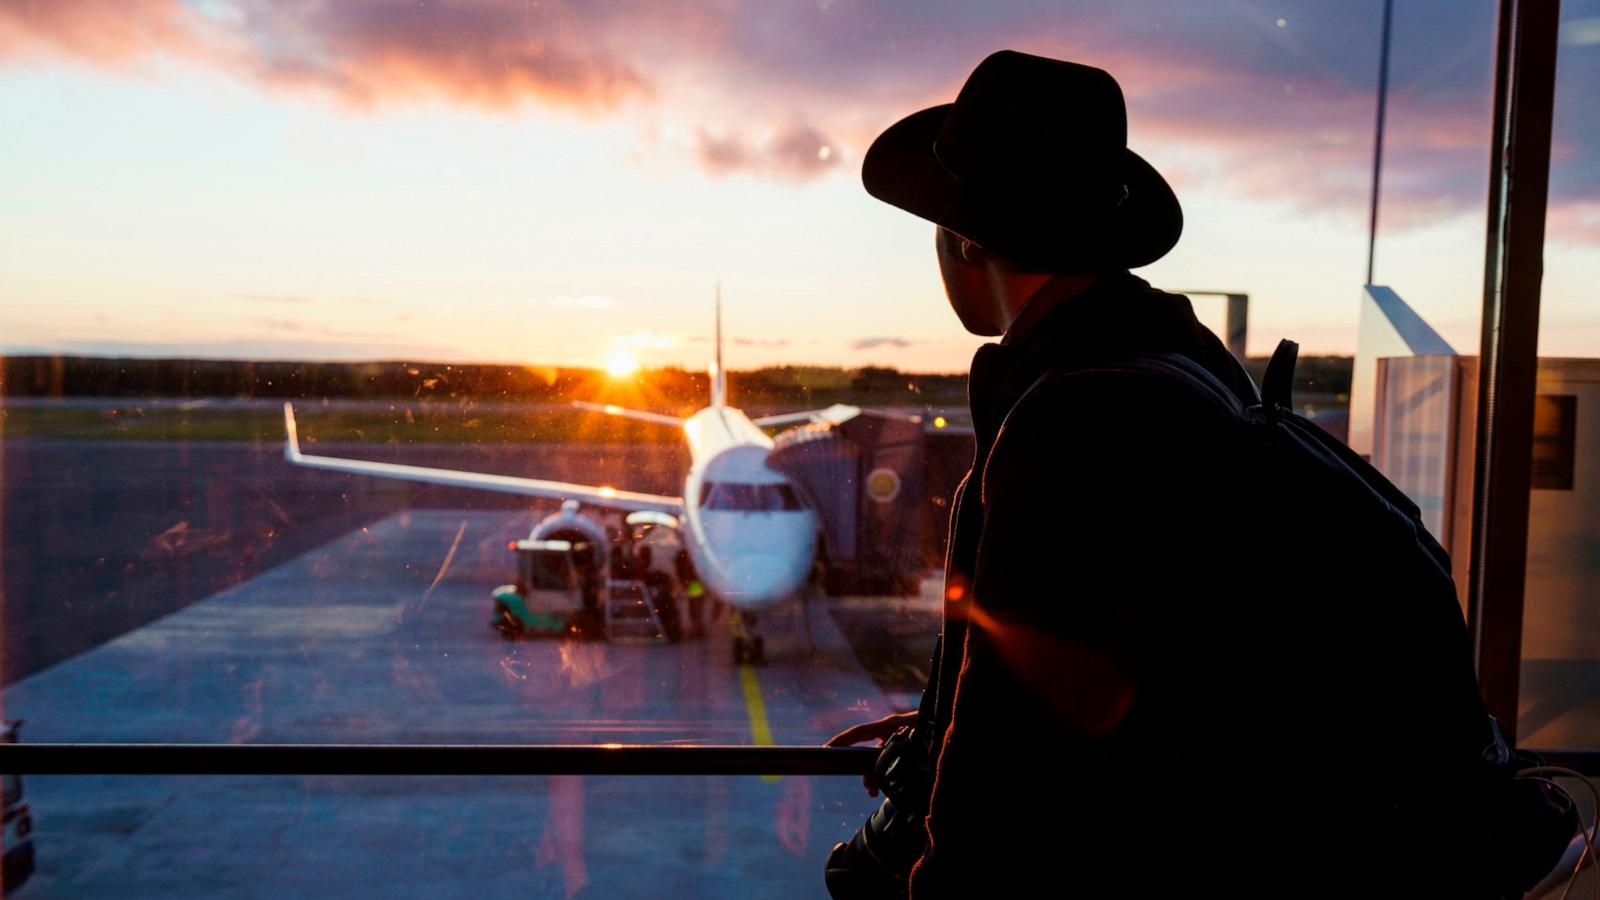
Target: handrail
{"x": 478, "y": 759}
{"x": 1585, "y": 761}
{"x": 430, "y": 759}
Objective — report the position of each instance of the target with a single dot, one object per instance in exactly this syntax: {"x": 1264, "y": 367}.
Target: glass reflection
{"x": 565, "y": 836}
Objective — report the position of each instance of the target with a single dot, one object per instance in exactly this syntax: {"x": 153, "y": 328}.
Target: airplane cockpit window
{"x": 782, "y": 497}
{"x": 727, "y": 496}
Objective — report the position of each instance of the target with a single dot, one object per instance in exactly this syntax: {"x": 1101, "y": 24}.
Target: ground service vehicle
{"x": 556, "y": 591}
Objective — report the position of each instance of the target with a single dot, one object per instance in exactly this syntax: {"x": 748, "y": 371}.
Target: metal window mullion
{"x": 1508, "y": 362}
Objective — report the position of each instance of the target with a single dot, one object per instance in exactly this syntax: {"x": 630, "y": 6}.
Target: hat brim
{"x": 901, "y": 169}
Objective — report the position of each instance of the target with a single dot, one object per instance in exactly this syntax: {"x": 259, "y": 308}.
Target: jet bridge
{"x": 881, "y": 482}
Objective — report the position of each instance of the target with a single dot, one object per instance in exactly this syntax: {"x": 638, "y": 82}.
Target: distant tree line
{"x": 88, "y": 376}
{"x": 91, "y": 376}
{"x": 1327, "y": 375}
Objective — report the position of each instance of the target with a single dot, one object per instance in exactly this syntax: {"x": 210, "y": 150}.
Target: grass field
{"x": 539, "y": 423}
{"x": 131, "y": 421}
{"x": 442, "y": 423}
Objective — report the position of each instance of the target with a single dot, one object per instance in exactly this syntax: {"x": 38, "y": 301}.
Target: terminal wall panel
{"x": 1562, "y": 619}
{"x": 1560, "y": 703}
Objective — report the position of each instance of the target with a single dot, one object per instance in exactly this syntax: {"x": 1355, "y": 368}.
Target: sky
{"x": 540, "y": 182}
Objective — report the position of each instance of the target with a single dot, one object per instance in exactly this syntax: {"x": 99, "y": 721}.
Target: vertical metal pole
{"x": 1377, "y": 134}
{"x": 1519, "y": 181}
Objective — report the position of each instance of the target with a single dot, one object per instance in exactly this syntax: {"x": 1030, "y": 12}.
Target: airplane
{"x": 750, "y": 531}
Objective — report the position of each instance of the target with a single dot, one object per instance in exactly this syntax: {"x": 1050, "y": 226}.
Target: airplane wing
{"x": 608, "y": 497}
{"x": 613, "y": 410}
{"x": 833, "y": 415}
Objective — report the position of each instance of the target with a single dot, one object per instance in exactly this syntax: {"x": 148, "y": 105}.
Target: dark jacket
{"x": 1077, "y": 683}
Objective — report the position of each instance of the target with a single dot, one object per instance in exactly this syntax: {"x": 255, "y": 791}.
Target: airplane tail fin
{"x": 291, "y": 443}
{"x": 719, "y": 376}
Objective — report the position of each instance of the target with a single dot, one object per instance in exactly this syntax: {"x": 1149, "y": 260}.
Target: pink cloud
{"x": 366, "y": 52}
{"x": 794, "y": 151}
{"x": 1575, "y": 221}
{"x": 1270, "y": 106}
{"x": 493, "y": 55}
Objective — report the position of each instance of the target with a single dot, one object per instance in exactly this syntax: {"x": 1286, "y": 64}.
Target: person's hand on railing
{"x": 873, "y": 731}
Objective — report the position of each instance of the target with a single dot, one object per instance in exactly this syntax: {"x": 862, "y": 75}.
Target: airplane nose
{"x": 761, "y": 577}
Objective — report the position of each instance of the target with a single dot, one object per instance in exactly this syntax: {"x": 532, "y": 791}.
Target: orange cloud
{"x": 109, "y": 32}
{"x": 1274, "y": 106}
{"x": 494, "y": 55}
{"x": 365, "y": 52}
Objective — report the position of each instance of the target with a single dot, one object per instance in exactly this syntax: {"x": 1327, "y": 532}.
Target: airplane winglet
{"x": 611, "y": 409}
{"x": 836, "y": 414}
{"x": 291, "y": 444}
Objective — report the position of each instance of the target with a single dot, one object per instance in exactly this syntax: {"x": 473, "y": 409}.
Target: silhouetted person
{"x": 1191, "y": 645}
{"x": 1080, "y": 523}
{"x": 1074, "y": 709}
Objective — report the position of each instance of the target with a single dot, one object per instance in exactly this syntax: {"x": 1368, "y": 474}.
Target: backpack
{"x": 1451, "y": 808}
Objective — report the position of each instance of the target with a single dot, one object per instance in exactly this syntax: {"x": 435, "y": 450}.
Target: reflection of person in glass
{"x": 1046, "y": 692}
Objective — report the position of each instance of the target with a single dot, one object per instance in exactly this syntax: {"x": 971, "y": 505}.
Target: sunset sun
{"x": 621, "y": 364}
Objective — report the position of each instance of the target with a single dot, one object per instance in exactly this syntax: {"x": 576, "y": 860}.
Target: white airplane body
{"x": 748, "y": 528}
{"x": 751, "y": 536}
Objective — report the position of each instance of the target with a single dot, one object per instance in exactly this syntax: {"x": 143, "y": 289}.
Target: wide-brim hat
{"x": 1031, "y": 161}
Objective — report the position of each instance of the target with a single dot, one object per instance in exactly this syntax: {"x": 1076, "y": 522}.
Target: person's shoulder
{"x": 1101, "y": 420}
{"x": 1117, "y": 392}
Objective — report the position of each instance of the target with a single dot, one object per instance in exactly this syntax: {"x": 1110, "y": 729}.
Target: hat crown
{"x": 1031, "y": 161}
{"x": 1028, "y": 118}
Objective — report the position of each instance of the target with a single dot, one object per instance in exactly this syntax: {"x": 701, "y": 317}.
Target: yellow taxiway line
{"x": 756, "y": 707}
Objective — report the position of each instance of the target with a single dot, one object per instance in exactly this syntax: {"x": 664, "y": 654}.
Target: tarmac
{"x": 382, "y": 635}
{"x": 98, "y": 537}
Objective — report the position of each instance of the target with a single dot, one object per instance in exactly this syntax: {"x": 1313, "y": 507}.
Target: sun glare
{"x": 621, "y": 364}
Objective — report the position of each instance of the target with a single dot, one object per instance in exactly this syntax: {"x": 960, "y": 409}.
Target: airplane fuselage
{"x": 748, "y": 528}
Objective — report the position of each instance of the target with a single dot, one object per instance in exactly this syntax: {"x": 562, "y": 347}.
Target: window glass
{"x": 435, "y": 836}
{"x": 1561, "y": 621}
{"x": 1438, "y": 126}
{"x": 1413, "y": 404}
{"x": 296, "y": 303}
{"x": 553, "y": 568}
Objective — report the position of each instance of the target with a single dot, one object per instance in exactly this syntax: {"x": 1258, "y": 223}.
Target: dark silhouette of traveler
{"x": 1148, "y": 682}
{"x": 1064, "y": 537}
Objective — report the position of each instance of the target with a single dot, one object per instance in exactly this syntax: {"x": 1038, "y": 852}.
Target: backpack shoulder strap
{"x": 1173, "y": 368}
{"x": 1278, "y": 384}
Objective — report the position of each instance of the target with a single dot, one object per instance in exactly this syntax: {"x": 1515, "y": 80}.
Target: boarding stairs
{"x": 629, "y": 614}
